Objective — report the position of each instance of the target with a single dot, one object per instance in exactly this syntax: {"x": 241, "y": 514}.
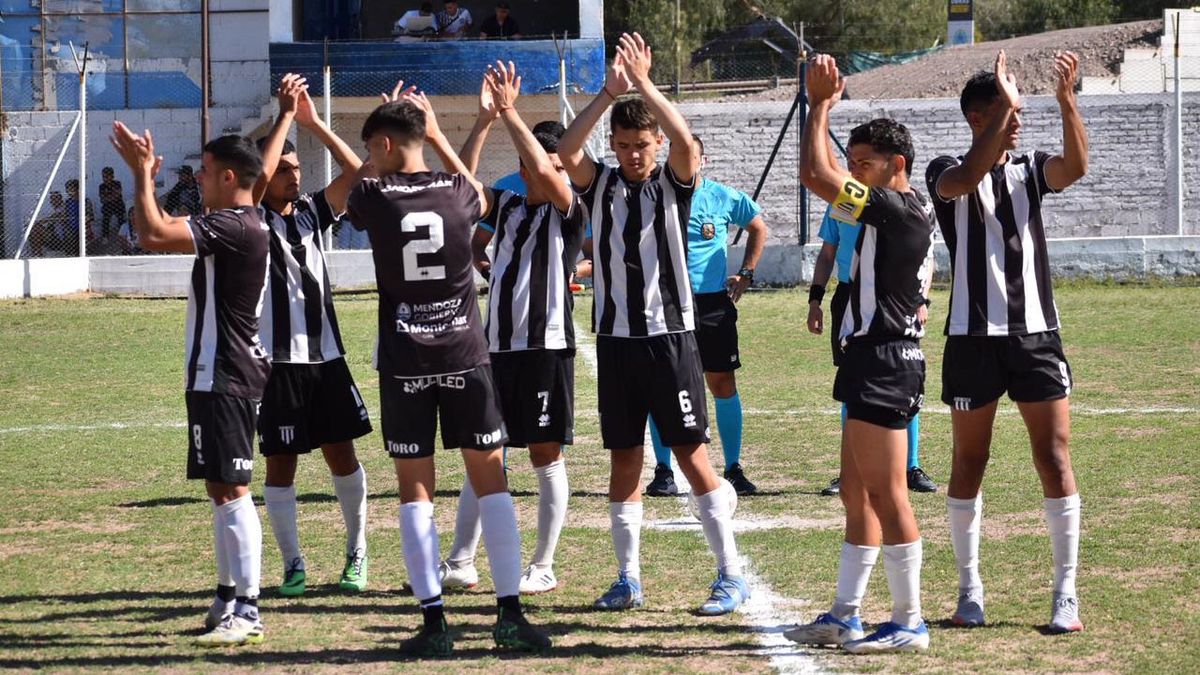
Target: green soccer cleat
{"x": 429, "y": 643}
{"x": 233, "y": 631}
{"x": 293, "y": 579}
{"x": 354, "y": 576}
{"x": 515, "y": 632}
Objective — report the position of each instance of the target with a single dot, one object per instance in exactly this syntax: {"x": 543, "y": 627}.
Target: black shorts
{"x": 882, "y": 383}
{"x": 466, "y": 404}
{"x": 837, "y": 311}
{"x": 537, "y": 395}
{"x": 307, "y": 405}
{"x": 976, "y": 370}
{"x": 220, "y": 437}
{"x": 716, "y": 332}
{"x": 659, "y": 376}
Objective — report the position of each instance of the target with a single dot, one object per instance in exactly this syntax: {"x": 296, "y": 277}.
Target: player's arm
{"x": 348, "y": 162}
{"x": 488, "y": 113}
{"x": 506, "y": 86}
{"x": 635, "y": 54}
{"x": 155, "y": 229}
{"x": 822, "y": 269}
{"x": 757, "y": 240}
{"x": 962, "y": 178}
{"x": 1063, "y": 170}
{"x": 445, "y": 152}
{"x": 580, "y": 168}
{"x": 479, "y": 256}
{"x": 289, "y": 100}
{"x": 818, "y": 172}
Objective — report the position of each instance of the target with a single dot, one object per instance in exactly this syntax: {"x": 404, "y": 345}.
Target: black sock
{"x": 226, "y": 593}
{"x": 434, "y": 613}
{"x": 510, "y": 605}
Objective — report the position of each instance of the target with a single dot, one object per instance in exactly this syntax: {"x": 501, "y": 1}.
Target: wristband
{"x": 927, "y": 302}
{"x": 816, "y": 294}
{"x": 746, "y": 273}
{"x": 608, "y": 93}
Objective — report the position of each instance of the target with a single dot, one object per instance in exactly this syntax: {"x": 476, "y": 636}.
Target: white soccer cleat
{"x": 234, "y": 630}
{"x": 455, "y": 578}
{"x": 891, "y": 637}
{"x": 826, "y": 630}
{"x": 969, "y": 613}
{"x": 1065, "y": 614}
{"x": 537, "y": 579}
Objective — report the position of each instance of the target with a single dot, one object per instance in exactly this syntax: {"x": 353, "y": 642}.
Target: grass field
{"x": 106, "y": 550}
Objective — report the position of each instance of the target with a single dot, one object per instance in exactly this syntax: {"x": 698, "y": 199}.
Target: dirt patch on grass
{"x": 1144, "y": 577}
{"x": 78, "y": 526}
{"x": 1016, "y": 524}
{"x": 18, "y": 547}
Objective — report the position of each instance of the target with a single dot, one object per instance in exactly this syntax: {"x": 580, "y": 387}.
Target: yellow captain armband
{"x": 850, "y": 201}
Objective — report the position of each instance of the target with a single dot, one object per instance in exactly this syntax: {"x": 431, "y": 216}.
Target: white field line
{"x": 42, "y": 428}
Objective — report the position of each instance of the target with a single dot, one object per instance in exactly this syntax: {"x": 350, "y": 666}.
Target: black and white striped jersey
{"x": 222, "y": 350}
{"x": 639, "y": 252}
{"x": 999, "y": 264}
{"x": 298, "y": 322}
{"x": 889, "y": 267}
{"x": 529, "y": 294}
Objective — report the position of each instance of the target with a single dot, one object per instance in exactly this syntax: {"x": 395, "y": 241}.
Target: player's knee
{"x": 281, "y": 470}
{"x": 340, "y": 458}
{"x": 543, "y": 454}
{"x": 722, "y": 385}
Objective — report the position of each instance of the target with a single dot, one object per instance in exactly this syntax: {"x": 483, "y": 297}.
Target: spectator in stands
{"x": 184, "y": 198}
{"x": 48, "y": 231}
{"x": 112, "y": 203}
{"x": 453, "y": 22}
{"x": 70, "y": 233}
{"x": 500, "y": 26}
{"x": 417, "y": 23}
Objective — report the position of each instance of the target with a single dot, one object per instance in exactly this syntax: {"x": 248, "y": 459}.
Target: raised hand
{"x": 1006, "y": 82}
{"x": 635, "y": 54}
{"x": 823, "y": 82}
{"x": 505, "y": 85}
{"x": 398, "y": 92}
{"x": 137, "y": 151}
{"x": 289, "y": 92}
{"x": 306, "y": 111}
{"x": 419, "y": 99}
{"x": 617, "y": 81}
{"x": 1066, "y": 66}
{"x": 487, "y": 103}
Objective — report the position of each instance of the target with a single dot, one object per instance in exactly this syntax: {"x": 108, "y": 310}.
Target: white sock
{"x": 626, "y": 521}
{"x": 902, "y": 562}
{"x": 467, "y": 528}
{"x": 351, "y": 494}
{"x": 419, "y": 539}
{"x": 553, "y": 493}
{"x": 965, "y": 517}
{"x": 224, "y": 570}
{"x": 243, "y": 543}
{"x": 1062, "y": 519}
{"x": 854, "y": 571}
{"x": 498, "y": 517}
{"x": 717, "y": 523}
{"x": 281, "y": 509}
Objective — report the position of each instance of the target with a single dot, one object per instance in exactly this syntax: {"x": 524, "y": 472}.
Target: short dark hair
{"x": 885, "y": 136}
{"x": 402, "y": 119}
{"x": 548, "y": 141}
{"x": 979, "y": 92}
{"x": 72, "y": 184}
{"x": 239, "y": 155}
{"x": 288, "y": 147}
{"x": 552, "y": 127}
{"x": 631, "y": 112}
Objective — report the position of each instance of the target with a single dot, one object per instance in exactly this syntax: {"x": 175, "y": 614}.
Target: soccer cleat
{"x": 354, "y": 576}
{"x": 827, "y": 630}
{"x": 737, "y": 478}
{"x": 919, "y": 481}
{"x": 969, "y": 613}
{"x": 663, "y": 484}
{"x": 625, "y": 593}
{"x": 1064, "y": 616}
{"x": 833, "y": 489}
{"x": 515, "y": 632}
{"x": 458, "y": 578}
{"x": 216, "y": 612}
{"x": 234, "y": 630}
{"x": 891, "y": 637}
{"x": 429, "y": 643}
{"x": 728, "y": 593}
{"x": 293, "y": 578}
{"x": 538, "y": 580}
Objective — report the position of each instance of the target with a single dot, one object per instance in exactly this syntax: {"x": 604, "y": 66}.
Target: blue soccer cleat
{"x": 827, "y": 630}
{"x": 728, "y": 593}
{"x": 625, "y": 593}
{"x": 891, "y": 637}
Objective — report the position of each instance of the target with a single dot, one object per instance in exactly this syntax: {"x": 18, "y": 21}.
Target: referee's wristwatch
{"x": 747, "y": 273}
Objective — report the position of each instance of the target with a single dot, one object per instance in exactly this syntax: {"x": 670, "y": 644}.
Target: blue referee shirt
{"x": 714, "y": 208}
{"x": 513, "y": 183}
{"x": 845, "y": 238}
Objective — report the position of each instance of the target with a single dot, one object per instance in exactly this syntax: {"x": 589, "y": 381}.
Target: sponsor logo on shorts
{"x": 912, "y": 354}
{"x": 689, "y": 421}
{"x": 733, "y": 358}
{"x": 400, "y": 449}
{"x": 241, "y": 464}
{"x": 489, "y": 438}
{"x": 414, "y": 385}
{"x": 544, "y": 420}
{"x": 962, "y": 403}
{"x": 287, "y": 434}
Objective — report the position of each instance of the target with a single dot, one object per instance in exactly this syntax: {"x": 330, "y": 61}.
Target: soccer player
{"x": 530, "y": 333}
{"x": 311, "y": 400}
{"x": 881, "y": 378}
{"x": 647, "y": 358}
{"x": 432, "y": 356}
{"x": 840, "y": 239}
{"x": 225, "y": 365}
{"x": 714, "y": 208}
{"x": 1002, "y": 330}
